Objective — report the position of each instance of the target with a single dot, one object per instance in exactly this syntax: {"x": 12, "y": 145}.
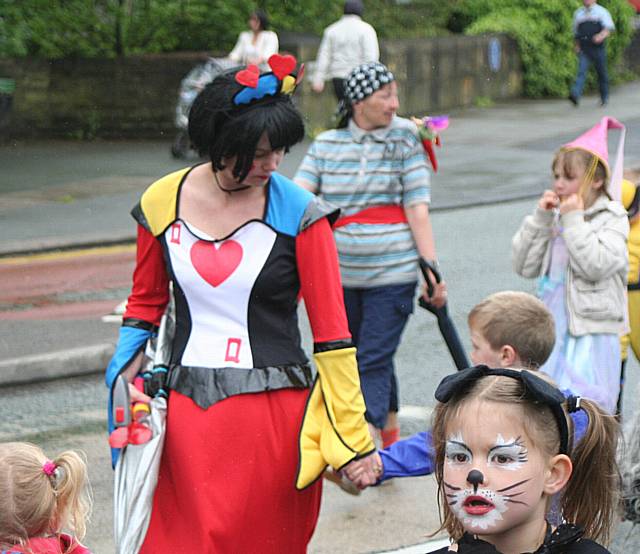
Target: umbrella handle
{"x": 425, "y": 268}
{"x": 452, "y": 340}
{"x": 447, "y": 329}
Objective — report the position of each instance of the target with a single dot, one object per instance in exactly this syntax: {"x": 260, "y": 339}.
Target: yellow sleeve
{"x": 334, "y": 431}
{"x": 633, "y": 245}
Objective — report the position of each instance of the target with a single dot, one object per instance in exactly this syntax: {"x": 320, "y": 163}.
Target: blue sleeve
{"x": 410, "y": 457}
{"x": 130, "y": 341}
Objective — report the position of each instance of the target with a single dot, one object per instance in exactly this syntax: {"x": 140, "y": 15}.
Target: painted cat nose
{"x": 475, "y": 478}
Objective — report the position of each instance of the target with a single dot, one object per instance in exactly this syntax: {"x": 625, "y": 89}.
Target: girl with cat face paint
{"x": 503, "y": 451}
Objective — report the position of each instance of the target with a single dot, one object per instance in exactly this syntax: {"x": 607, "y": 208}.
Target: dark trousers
{"x": 598, "y": 57}
{"x": 377, "y": 316}
{"x": 338, "y": 88}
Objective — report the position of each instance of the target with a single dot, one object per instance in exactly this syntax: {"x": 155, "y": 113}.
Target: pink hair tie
{"x": 49, "y": 468}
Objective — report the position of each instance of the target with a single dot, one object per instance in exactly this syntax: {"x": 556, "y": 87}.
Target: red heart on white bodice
{"x": 215, "y": 264}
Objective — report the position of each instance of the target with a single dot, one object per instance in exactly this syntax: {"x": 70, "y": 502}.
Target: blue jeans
{"x": 377, "y": 316}
{"x": 597, "y": 57}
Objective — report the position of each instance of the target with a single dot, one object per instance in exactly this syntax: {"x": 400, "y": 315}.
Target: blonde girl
{"x": 503, "y": 447}
{"x": 576, "y": 242}
{"x": 40, "y": 498}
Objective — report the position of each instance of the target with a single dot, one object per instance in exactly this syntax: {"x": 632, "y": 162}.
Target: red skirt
{"x": 227, "y": 478}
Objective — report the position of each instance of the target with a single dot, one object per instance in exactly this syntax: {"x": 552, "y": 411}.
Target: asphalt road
{"x": 473, "y": 246}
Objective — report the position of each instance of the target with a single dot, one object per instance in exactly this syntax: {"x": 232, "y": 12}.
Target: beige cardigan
{"x": 596, "y": 239}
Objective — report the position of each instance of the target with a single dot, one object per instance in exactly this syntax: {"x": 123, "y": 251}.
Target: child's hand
{"x": 138, "y": 396}
{"x": 571, "y": 203}
{"x": 365, "y": 471}
{"x": 548, "y": 200}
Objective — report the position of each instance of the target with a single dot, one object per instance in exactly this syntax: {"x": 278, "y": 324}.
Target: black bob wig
{"x": 221, "y": 130}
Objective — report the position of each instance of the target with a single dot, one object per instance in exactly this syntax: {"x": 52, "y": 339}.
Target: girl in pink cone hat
{"x": 575, "y": 241}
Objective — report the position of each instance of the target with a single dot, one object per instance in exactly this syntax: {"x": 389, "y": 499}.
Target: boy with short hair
{"x": 511, "y": 329}
{"x": 508, "y": 329}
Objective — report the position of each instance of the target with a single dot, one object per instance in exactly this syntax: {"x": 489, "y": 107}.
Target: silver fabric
{"x": 317, "y": 209}
{"x": 166, "y": 332}
{"x": 136, "y": 472}
{"x": 136, "y": 476}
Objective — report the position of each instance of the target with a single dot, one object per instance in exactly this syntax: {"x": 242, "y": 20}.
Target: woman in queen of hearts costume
{"x": 249, "y": 429}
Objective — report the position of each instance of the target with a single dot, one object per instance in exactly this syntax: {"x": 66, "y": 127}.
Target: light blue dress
{"x": 588, "y": 365}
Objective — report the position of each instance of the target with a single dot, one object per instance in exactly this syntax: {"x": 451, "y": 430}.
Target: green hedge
{"x": 105, "y": 28}
{"x": 92, "y": 28}
{"x": 542, "y": 29}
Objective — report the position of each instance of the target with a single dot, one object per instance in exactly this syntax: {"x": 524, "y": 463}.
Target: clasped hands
{"x": 364, "y": 472}
{"x": 566, "y": 204}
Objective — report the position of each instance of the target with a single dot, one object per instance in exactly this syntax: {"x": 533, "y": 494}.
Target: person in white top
{"x": 347, "y": 43}
{"x": 257, "y": 45}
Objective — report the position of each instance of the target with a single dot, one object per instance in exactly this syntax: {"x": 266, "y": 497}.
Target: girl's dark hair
{"x": 221, "y": 130}
{"x": 590, "y": 498}
{"x": 262, "y": 17}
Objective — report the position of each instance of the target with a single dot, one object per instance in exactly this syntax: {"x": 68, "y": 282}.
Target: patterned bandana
{"x": 365, "y": 79}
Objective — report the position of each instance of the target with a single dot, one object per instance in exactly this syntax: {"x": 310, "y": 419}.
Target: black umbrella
{"x": 445, "y": 323}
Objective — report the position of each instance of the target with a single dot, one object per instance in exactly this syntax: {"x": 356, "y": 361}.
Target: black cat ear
{"x": 459, "y": 381}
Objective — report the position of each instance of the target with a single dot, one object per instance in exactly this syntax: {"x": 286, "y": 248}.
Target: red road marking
{"x": 36, "y": 284}
{"x": 70, "y": 310}
{"x": 86, "y": 273}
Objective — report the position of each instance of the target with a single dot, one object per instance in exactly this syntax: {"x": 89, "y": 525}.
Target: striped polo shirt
{"x": 356, "y": 169}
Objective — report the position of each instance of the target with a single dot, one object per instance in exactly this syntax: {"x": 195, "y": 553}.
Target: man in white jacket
{"x": 345, "y": 44}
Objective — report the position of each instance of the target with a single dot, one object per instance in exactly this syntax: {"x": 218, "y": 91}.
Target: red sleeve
{"x": 150, "y": 290}
{"x": 320, "y": 284}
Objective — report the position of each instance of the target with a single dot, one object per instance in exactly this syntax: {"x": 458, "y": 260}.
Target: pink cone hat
{"x": 594, "y": 141}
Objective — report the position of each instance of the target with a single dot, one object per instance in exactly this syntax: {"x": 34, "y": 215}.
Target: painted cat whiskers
{"x": 504, "y": 449}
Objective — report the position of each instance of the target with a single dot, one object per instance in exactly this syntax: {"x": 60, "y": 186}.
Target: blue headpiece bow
{"x": 282, "y": 79}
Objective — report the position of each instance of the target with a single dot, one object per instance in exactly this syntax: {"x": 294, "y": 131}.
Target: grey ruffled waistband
{"x": 206, "y": 386}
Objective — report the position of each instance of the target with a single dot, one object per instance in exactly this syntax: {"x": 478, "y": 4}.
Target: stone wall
{"x": 136, "y": 96}
{"x": 85, "y": 98}
{"x": 435, "y": 75}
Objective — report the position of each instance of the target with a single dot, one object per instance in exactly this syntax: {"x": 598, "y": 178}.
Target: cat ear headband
{"x": 534, "y": 388}
{"x": 282, "y": 79}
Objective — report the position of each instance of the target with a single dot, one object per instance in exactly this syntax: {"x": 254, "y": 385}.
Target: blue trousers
{"x": 377, "y": 316}
{"x": 597, "y": 57}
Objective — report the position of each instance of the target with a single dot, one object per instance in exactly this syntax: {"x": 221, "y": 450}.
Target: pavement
{"x": 66, "y": 261}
